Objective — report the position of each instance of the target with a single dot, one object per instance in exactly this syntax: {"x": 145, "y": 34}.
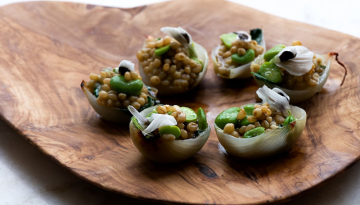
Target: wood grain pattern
{"x": 47, "y": 48}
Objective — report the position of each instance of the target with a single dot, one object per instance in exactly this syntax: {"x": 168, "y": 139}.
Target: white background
{"x": 339, "y": 15}
{"x": 29, "y": 177}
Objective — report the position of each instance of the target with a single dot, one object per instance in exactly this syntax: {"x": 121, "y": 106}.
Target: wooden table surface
{"x": 48, "y": 54}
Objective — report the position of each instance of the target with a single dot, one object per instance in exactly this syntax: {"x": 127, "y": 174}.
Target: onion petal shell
{"x": 107, "y": 113}
{"x": 163, "y": 150}
{"x": 240, "y": 72}
{"x": 267, "y": 144}
{"x": 297, "y": 96}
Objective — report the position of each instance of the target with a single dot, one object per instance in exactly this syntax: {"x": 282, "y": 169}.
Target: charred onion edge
{"x": 339, "y": 62}
{"x": 292, "y": 125}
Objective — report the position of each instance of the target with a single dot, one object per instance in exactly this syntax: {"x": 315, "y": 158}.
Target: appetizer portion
{"x": 294, "y": 69}
{"x": 111, "y": 91}
{"x": 261, "y": 130}
{"x": 172, "y": 64}
{"x": 167, "y": 133}
{"x": 232, "y": 58}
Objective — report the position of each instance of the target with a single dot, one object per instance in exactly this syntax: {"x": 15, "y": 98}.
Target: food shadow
{"x": 268, "y": 167}
{"x": 154, "y": 170}
{"x": 107, "y": 128}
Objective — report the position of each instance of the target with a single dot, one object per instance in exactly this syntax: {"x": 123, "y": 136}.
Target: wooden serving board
{"x": 47, "y": 48}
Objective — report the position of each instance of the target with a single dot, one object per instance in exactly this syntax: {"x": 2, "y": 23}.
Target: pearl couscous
{"x": 167, "y": 63}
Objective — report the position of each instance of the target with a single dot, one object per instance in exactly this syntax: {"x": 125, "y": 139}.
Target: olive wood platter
{"x": 48, "y": 48}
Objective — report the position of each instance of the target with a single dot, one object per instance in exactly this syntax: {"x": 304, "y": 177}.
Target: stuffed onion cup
{"x": 168, "y": 134}
{"x": 261, "y": 130}
{"x": 173, "y": 64}
{"x": 232, "y": 59}
{"x": 294, "y": 69}
{"x": 114, "y": 89}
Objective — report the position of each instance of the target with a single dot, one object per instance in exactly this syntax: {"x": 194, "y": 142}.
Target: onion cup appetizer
{"x": 114, "y": 89}
{"x": 261, "y": 130}
{"x": 232, "y": 59}
{"x": 168, "y": 134}
{"x": 173, "y": 64}
{"x": 294, "y": 69}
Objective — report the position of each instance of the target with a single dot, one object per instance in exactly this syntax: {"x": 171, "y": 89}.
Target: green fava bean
{"x": 162, "y": 50}
{"x": 271, "y": 53}
{"x": 271, "y": 72}
{"x": 244, "y": 121}
{"x": 249, "y": 110}
{"x": 202, "y": 119}
{"x": 246, "y": 58}
{"x": 174, "y": 130}
{"x": 289, "y": 120}
{"x": 228, "y": 38}
{"x": 190, "y": 114}
{"x": 121, "y": 85}
{"x": 227, "y": 116}
{"x": 254, "y": 132}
